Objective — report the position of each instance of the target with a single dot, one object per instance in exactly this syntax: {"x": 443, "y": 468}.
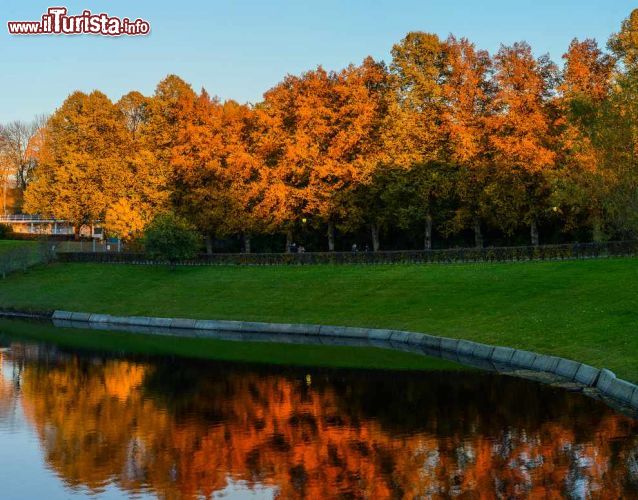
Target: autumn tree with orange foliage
{"x": 321, "y": 136}
{"x": 581, "y": 182}
{"x": 215, "y": 174}
{"x": 617, "y": 134}
{"x": 287, "y": 150}
{"x": 153, "y": 124}
{"x": 357, "y": 149}
{"x": 127, "y": 217}
{"x": 414, "y": 138}
{"x": 82, "y": 167}
{"x": 468, "y": 93}
{"x": 521, "y": 140}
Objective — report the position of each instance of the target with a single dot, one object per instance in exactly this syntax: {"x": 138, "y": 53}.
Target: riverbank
{"x": 582, "y": 310}
{"x": 325, "y": 356}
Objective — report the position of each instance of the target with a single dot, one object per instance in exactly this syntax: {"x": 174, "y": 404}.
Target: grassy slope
{"x": 584, "y": 310}
{"x": 249, "y": 352}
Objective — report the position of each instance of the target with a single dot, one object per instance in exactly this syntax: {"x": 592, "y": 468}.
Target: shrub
{"x": 5, "y": 231}
{"x": 170, "y": 238}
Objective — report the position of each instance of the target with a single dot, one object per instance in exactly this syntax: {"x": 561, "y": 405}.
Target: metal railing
{"x": 29, "y": 218}
{"x": 35, "y": 224}
{"x": 92, "y": 246}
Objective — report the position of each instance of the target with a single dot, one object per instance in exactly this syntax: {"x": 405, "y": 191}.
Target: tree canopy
{"x": 443, "y": 140}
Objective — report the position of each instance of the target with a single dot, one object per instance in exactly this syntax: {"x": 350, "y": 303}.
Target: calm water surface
{"x": 75, "y": 425}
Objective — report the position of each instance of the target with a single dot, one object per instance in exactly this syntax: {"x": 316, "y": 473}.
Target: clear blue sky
{"x": 240, "y": 48}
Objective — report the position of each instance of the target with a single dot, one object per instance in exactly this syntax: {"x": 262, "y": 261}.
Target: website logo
{"x": 57, "y": 21}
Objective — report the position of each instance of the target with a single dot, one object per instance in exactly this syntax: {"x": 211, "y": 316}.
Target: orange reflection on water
{"x": 185, "y": 431}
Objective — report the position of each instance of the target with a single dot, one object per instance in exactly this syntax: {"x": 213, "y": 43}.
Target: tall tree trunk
{"x": 4, "y": 197}
{"x": 288, "y": 240}
{"x": 331, "y": 236}
{"x": 374, "y": 230}
{"x": 209, "y": 244}
{"x": 428, "y": 232}
{"x": 76, "y": 231}
{"x": 534, "y": 233}
{"x": 246, "y": 243}
{"x": 478, "y": 235}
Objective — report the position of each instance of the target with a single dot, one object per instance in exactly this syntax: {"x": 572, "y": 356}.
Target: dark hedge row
{"x": 495, "y": 254}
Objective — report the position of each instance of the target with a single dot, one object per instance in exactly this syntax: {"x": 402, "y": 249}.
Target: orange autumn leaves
{"x": 505, "y": 141}
{"x": 321, "y": 135}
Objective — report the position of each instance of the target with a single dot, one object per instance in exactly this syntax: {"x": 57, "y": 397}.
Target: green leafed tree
{"x": 171, "y": 238}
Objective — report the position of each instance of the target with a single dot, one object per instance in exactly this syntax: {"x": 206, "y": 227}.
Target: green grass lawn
{"x": 583, "y": 310}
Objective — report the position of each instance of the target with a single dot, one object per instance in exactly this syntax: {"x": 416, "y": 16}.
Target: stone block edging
{"x": 603, "y": 380}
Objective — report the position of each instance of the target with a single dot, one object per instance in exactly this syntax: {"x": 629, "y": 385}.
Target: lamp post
{"x": 303, "y": 232}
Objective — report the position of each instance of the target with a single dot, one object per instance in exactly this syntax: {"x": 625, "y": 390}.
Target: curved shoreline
{"x": 603, "y": 380}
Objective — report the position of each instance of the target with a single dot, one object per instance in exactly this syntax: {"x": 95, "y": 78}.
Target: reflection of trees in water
{"x": 8, "y": 391}
{"x": 182, "y": 428}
